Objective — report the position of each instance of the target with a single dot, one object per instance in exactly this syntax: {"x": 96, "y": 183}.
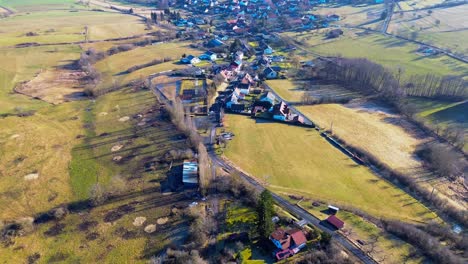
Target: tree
{"x": 437, "y": 22}
{"x": 265, "y": 213}
{"x": 206, "y": 174}
{"x": 383, "y": 15}
{"x": 97, "y": 194}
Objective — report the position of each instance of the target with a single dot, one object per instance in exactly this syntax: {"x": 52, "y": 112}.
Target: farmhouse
{"x": 335, "y": 222}
{"x": 190, "y": 173}
{"x": 288, "y": 242}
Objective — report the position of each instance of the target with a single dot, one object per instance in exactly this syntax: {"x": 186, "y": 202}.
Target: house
{"x": 190, "y": 59}
{"x": 270, "y": 73}
{"x": 244, "y": 88}
{"x": 268, "y": 50}
{"x": 190, "y": 173}
{"x": 281, "y": 239}
{"x": 288, "y": 242}
{"x": 268, "y": 97}
{"x": 239, "y": 55}
{"x": 209, "y": 55}
{"x": 235, "y": 66}
{"x": 281, "y": 111}
{"x": 333, "y": 209}
{"x": 214, "y": 43}
{"x": 334, "y": 221}
{"x": 298, "y": 119}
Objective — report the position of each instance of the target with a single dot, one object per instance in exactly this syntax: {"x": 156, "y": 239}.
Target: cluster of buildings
{"x": 287, "y": 242}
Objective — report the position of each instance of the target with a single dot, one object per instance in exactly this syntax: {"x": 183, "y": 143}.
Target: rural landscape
{"x": 233, "y": 131}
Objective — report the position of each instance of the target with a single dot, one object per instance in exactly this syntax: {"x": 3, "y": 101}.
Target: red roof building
{"x": 334, "y": 221}
{"x": 297, "y": 237}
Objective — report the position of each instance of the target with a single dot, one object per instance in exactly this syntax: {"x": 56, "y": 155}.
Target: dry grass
{"x": 353, "y": 15}
{"x": 374, "y": 132}
{"x": 386, "y": 136}
{"x": 43, "y": 144}
{"x": 54, "y": 86}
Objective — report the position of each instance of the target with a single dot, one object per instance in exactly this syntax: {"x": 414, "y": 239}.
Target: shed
{"x": 334, "y": 221}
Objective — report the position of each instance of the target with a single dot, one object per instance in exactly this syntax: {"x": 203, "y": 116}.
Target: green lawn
{"x": 299, "y": 161}
{"x": 392, "y": 53}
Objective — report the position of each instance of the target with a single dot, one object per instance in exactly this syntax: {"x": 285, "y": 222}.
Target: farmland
{"x": 391, "y": 53}
{"x": 299, "y": 161}
{"x": 368, "y": 15}
{"x": 443, "y": 27}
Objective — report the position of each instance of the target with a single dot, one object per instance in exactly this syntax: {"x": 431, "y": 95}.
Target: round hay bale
{"x": 124, "y": 119}
{"x": 116, "y": 148}
{"x": 150, "y": 229}
{"x": 162, "y": 220}
{"x": 31, "y": 176}
{"x": 139, "y": 221}
{"x": 117, "y": 158}
{"x": 103, "y": 114}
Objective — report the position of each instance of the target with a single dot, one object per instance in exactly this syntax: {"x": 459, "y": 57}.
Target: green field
{"x": 299, "y": 161}
{"x": 392, "y": 53}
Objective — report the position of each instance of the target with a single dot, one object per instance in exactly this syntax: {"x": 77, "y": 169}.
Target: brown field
{"x": 54, "y": 86}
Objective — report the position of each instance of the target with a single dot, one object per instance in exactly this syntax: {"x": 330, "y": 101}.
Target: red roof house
{"x": 334, "y": 221}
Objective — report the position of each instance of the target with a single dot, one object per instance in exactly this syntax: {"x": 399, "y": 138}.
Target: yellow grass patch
{"x": 374, "y": 132}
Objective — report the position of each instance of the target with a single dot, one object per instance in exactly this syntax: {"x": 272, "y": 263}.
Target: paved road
{"x": 390, "y": 8}
{"x": 298, "y": 212}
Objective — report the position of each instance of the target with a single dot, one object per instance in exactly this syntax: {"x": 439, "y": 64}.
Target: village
{"x": 232, "y": 131}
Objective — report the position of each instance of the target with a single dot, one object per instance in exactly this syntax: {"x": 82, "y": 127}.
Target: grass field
{"x": 18, "y": 65}
{"x": 299, "y": 161}
{"x": 353, "y": 15}
{"x": 37, "y": 144}
{"x": 113, "y": 67}
{"x": 293, "y": 91}
{"x": 68, "y": 165}
{"x": 451, "y": 28}
{"x": 60, "y": 26}
{"x": 392, "y": 53}
{"x": 37, "y": 5}
{"x": 375, "y": 132}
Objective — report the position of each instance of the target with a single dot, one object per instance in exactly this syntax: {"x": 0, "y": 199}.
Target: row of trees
{"x": 184, "y": 123}
{"x": 429, "y": 245}
{"x": 431, "y": 85}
